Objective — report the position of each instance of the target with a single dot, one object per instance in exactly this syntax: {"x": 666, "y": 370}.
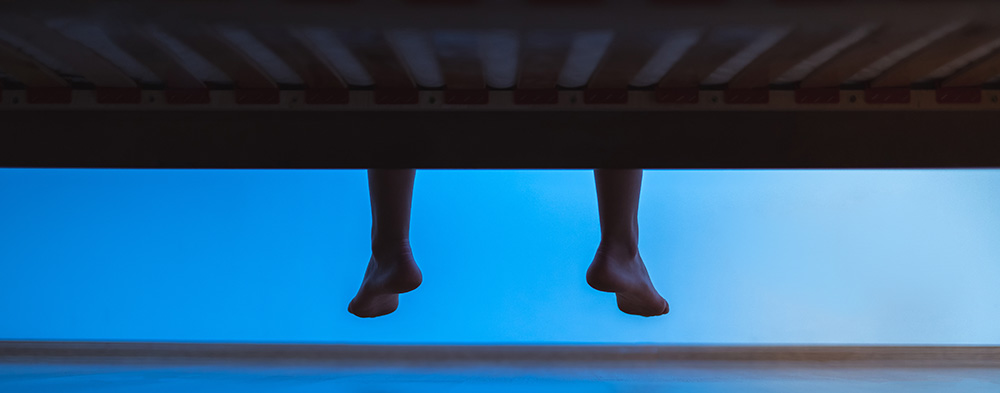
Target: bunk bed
{"x": 500, "y": 84}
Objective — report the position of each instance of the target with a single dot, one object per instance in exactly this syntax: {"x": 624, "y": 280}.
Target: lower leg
{"x": 617, "y": 266}
{"x": 391, "y": 268}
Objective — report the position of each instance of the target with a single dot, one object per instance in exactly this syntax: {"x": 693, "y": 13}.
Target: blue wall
{"x": 754, "y": 257}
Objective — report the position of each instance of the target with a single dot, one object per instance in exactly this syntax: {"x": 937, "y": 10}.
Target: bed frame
{"x": 500, "y": 84}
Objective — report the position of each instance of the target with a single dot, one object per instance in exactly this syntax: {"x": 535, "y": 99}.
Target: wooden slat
{"x": 90, "y": 65}
{"x": 251, "y": 84}
{"x": 543, "y": 54}
{"x": 313, "y": 70}
{"x": 140, "y": 45}
{"x": 373, "y": 51}
{"x": 244, "y": 73}
{"x": 462, "y": 68}
{"x": 393, "y": 84}
{"x": 26, "y": 70}
{"x": 881, "y": 42}
{"x": 935, "y": 55}
{"x": 976, "y": 74}
{"x": 787, "y": 53}
{"x": 458, "y": 56}
{"x": 710, "y": 52}
{"x": 625, "y": 56}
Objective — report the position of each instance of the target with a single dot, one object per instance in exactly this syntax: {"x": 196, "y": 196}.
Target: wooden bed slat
{"x": 624, "y": 58}
{"x": 542, "y": 56}
{"x": 843, "y": 66}
{"x": 798, "y": 45}
{"x": 26, "y": 70}
{"x": 458, "y": 56}
{"x": 43, "y": 85}
{"x": 252, "y": 85}
{"x": 181, "y": 87}
{"x": 711, "y": 51}
{"x": 977, "y": 73}
{"x": 937, "y": 54}
{"x": 393, "y": 84}
{"x": 323, "y": 85}
{"x": 681, "y": 83}
{"x": 96, "y": 69}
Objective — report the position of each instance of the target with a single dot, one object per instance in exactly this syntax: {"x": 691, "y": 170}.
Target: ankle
{"x": 390, "y": 249}
{"x": 619, "y": 249}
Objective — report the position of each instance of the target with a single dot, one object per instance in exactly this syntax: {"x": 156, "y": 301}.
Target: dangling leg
{"x": 391, "y": 269}
{"x": 617, "y": 267}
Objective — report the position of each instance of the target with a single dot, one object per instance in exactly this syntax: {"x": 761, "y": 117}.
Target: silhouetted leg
{"x": 617, "y": 266}
{"x": 391, "y": 269}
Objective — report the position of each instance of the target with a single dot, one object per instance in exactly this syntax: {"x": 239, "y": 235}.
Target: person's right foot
{"x": 624, "y": 274}
{"x": 386, "y": 277}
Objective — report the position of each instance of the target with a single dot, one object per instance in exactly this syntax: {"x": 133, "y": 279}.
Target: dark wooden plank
{"x": 499, "y": 139}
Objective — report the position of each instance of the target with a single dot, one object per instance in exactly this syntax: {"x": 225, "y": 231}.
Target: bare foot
{"x": 624, "y": 274}
{"x": 388, "y": 275}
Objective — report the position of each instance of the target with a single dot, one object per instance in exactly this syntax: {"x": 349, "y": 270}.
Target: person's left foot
{"x": 624, "y": 274}
{"x": 386, "y": 277}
